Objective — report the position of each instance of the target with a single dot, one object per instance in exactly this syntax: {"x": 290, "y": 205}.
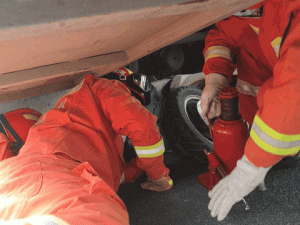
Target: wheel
{"x": 171, "y": 60}
{"x": 183, "y": 124}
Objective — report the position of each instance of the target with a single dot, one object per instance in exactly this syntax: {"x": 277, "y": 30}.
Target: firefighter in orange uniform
{"x": 275, "y": 131}
{"x": 235, "y": 36}
{"x": 70, "y": 167}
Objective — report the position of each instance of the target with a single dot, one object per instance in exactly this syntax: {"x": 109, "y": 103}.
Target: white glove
{"x": 210, "y": 101}
{"x": 241, "y": 181}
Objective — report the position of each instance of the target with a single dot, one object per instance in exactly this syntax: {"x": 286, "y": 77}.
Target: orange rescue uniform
{"x": 266, "y": 60}
{"x": 71, "y": 163}
{"x": 276, "y": 132}
{"x": 238, "y": 35}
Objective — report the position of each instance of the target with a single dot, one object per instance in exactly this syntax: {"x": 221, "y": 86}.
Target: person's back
{"x": 72, "y": 161}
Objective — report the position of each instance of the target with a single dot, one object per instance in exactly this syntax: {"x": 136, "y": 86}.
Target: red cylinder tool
{"x": 230, "y": 131}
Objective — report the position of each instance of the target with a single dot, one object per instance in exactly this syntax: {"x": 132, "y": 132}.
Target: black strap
{"x": 286, "y": 31}
{"x": 15, "y": 147}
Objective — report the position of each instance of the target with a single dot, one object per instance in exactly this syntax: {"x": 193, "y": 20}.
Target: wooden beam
{"x": 72, "y": 45}
{"x": 42, "y": 88}
{"x": 16, "y": 81}
{"x": 207, "y": 13}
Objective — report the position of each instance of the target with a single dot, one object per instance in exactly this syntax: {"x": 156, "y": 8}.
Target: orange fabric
{"x": 5, "y": 152}
{"x": 21, "y": 120}
{"x": 279, "y": 98}
{"x": 259, "y": 157}
{"x": 71, "y": 163}
{"x": 87, "y": 123}
{"x": 236, "y": 34}
{"x": 275, "y": 21}
{"x": 36, "y": 185}
{"x": 131, "y": 171}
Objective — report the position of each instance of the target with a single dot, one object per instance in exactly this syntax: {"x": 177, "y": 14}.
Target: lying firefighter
{"x": 271, "y": 77}
{"x": 69, "y": 169}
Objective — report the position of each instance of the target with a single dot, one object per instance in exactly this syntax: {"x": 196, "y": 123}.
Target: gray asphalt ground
{"x": 187, "y": 202}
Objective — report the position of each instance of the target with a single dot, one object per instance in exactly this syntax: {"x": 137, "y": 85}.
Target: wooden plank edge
{"x": 19, "y": 79}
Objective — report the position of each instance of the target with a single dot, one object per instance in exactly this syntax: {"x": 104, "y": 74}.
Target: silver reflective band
{"x": 273, "y": 142}
{"x": 143, "y": 82}
{"x": 150, "y": 151}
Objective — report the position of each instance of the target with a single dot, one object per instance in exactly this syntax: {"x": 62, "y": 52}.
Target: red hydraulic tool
{"x": 230, "y": 133}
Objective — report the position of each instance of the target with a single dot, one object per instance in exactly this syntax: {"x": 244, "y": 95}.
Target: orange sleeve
{"x": 131, "y": 119}
{"x": 279, "y": 98}
{"x": 225, "y": 34}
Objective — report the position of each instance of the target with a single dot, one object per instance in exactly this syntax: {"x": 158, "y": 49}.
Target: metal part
{"x": 209, "y": 127}
{"x": 172, "y": 58}
{"x": 230, "y": 133}
{"x": 223, "y": 174}
{"x": 262, "y": 186}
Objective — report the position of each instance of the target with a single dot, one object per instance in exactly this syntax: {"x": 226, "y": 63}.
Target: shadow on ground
{"x": 186, "y": 203}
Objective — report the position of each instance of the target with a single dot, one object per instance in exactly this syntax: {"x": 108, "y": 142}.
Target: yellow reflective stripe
{"x": 256, "y": 29}
{"x": 272, "y": 141}
{"x": 150, "y": 151}
{"x": 276, "y": 45}
{"x": 218, "y": 51}
{"x": 273, "y": 150}
{"x": 31, "y": 117}
{"x": 276, "y": 41}
{"x": 149, "y": 147}
{"x": 147, "y": 155}
{"x": 274, "y": 134}
{"x": 129, "y": 71}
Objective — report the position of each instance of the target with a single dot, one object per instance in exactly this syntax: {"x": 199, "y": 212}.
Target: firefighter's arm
{"x": 275, "y": 131}
{"x": 131, "y": 119}
{"x": 5, "y": 152}
{"x": 220, "y": 46}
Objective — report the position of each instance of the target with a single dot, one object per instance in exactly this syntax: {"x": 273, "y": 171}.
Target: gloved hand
{"x": 163, "y": 184}
{"x": 210, "y": 101}
{"x": 231, "y": 189}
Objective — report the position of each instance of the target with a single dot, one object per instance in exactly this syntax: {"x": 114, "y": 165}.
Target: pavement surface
{"x": 187, "y": 202}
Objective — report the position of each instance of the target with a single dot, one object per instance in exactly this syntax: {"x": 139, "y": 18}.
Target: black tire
{"x": 182, "y": 124}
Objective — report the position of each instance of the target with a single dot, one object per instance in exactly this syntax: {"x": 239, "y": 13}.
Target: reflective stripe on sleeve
{"x": 150, "y": 151}
{"x": 276, "y": 45}
{"x": 218, "y": 51}
{"x": 273, "y": 142}
{"x": 256, "y": 29}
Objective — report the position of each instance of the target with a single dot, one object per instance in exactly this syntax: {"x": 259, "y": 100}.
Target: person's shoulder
{"x": 233, "y": 23}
